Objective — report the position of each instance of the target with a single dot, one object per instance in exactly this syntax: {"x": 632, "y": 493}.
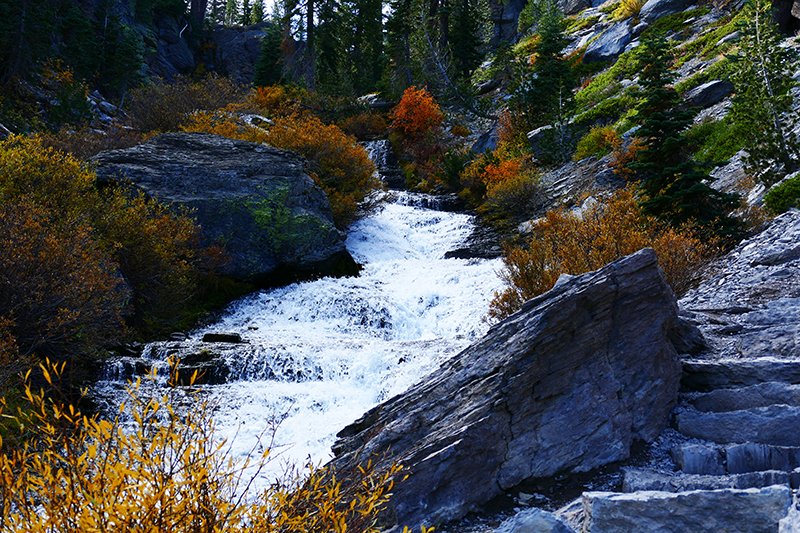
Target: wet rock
{"x": 275, "y": 223}
{"x": 564, "y": 385}
{"x": 534, "y": 521}
{"x": 222, "y": 337}
{"x": 382, "y": 154}
{"x": 729, "y": 510}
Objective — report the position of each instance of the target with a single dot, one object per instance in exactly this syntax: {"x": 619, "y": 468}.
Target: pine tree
{"x": 244, "y": 17}
{"x": 329, "y": 47}
{"x": 231, "y": 12}
{"x": 465, "y": 37}
{"x": 673, "y": 184}
{"x": 269, "y": 65}
{"x": 257, "y": 13}
{"x": 542, "y": 93}
{"x": 762, "y": 106}
{"x": 398, "y": 46}
{"x": 365, "y": 51}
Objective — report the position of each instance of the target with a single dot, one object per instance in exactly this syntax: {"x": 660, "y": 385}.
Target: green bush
{"x": 784, "y": 196}
{"x": 598, "y": 142}
{"x": 716, "y": 141}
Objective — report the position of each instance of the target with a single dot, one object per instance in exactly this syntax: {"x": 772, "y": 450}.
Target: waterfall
{"x": 319, "y": 354}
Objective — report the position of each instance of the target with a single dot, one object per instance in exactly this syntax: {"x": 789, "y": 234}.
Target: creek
{"x": 319, "y": 354}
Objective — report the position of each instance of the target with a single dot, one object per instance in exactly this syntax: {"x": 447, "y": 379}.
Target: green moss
{"x": 610, "y": 109}
{"x": 576, "y": 23}
{"x": 673, "y": 23}
{"x": 783, "y": 197}
{"x": 718, "y": 71}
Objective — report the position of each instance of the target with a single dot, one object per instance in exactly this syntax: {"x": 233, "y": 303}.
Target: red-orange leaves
{"x": 417, "y": 114}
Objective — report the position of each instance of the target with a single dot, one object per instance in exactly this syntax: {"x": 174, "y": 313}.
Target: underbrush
{"x": 566, "y": 243}
{"x": 157, "y": 467}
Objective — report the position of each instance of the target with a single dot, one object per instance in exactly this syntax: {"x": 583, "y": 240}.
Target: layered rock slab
{"x": 564, "y": 385}
{"x": 274, "y": 221}
{"x": 729, "y": 510}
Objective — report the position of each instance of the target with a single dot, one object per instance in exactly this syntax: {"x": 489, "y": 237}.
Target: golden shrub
{"x": 562, "y": 242}
{"x": 600, "y": 141}
{"x": 623, "y": 153}
{"x": 84, "y": 142}
{"x": 365, "y": 126}
{"x": 157, "y": 468}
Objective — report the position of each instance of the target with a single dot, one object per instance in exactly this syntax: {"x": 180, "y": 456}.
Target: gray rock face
{"x": 566, "y": 384}
{"x": 237, "y": 51}
{"x": 647, "y": 480}
{"x": 534, "y": 521}
{"x": 760, "y": 395}
{"x": 655, "y": 9}
{"x": 610, "y": 43}
{"x": 729, "y": 510}
{"x": 708, "y": 94}
{"x": 750, "y": 306}
{"x": 275, "y": 223}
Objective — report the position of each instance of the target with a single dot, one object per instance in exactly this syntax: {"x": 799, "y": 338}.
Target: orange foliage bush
{"x": 417, "y": 114}
{"x": 86, "y": 141}
{"x": 59, "y": 291}
{"x": 622, "y": 154}
{"x": 365, "y": 126}
{"x": 342, "y": 166}
{"x": 163, "y": 107}
{"x": 115, "y": 235}
{"x": 565, "y": 243}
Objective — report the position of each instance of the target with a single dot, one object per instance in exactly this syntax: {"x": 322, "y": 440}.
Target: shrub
{"x": 623, "y": 153}
{"x": 417, "y": 114}
{"x": 513, "y": 197}
{"x": 598, "y": 142}
{"x": 84, "y": 142}
{"x": 628, "y": 9}
{"x": 783, "y": 196}
{"x": 365, "y": 126}
{"x": 59, "y": 292}
{"x": 162, "y": 107}
{"x": 114, "y": 231}
{"x": 339, "y": 164}
{"x": 164, "y": 472}
{"x": 342, "y": 167}
{"x": 566, "y": 243}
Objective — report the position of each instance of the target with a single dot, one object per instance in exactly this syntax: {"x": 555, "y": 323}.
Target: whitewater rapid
{"x": 319, "y": 354}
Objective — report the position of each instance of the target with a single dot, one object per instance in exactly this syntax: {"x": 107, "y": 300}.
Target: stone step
{"x": 636, "y": 479}
{"x": 775, "y": 424}
{"x": 704, "y": 376}
{"x": 730, "y": 510}
{"x": 760, "y": 395}
{"x": 718, "y": 460}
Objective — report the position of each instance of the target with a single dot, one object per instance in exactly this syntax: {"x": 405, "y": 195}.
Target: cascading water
{"x": 319, "y": 354}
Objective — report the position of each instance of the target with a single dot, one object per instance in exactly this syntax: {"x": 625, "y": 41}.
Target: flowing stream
{"x": 319, "y": 354}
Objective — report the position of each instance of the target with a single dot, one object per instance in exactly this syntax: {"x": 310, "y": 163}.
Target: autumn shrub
{"x": 564, "y": 242}
{"x": 157, "y": 467}
{"x": 365, "y": 126}
{"x": 628, "y": 9}
{"x": 163, "y": 107}
{"x": 341, "y": 166}
{"x": 417, "y": 114}
{"x": 85, "y": 141}
{"x": 116, "y": 236}
{"x": 278, "y": 99}
{"x": 624, "y": 152}
{"x": 598, "y": 142}
{"x": 514, "y": 197}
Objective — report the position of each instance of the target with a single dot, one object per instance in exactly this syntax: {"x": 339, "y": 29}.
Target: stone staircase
{"x": 735, "y": 463}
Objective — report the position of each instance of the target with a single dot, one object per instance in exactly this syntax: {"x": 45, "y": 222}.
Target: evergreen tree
{"x": 365, "y": 52}
{"x": 674, "y": 184}
{"x": 269, "y": 65}
{"x": 231, "y": 12}
{"x": 542, "y": 93}
{"x": 257, "y": 13}
{"x": 762, "y": 106}
{"x": 465, "y": 37}
{"x": 329, "y": 47}
{"x": 244, "y": 17}
{"x": 398, "y": 46}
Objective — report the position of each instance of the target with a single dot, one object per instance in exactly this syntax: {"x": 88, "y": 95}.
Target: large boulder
{"x": 567, "y": 384}
{"x": 237, "y": 50}
{"x": 609, "y": 44}
{"x": 274, "y": 221}
{"x": 653, "y": 10}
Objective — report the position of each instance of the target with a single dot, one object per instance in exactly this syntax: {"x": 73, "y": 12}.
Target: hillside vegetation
{"x": 91, "y": 268}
